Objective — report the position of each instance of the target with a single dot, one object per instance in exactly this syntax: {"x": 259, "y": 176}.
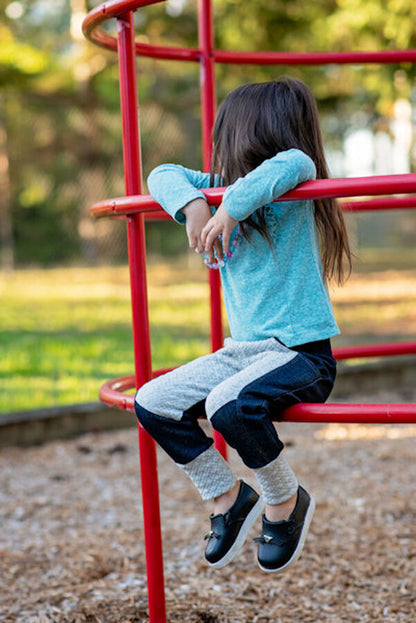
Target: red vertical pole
{"x": 207, "y": 69}
{"x": 208, "y": 105}
{"x": 141, "y": 332}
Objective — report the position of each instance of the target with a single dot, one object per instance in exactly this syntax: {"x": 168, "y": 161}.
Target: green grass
{"x": 63, "y": 332}
{"x": 66, "y": 331}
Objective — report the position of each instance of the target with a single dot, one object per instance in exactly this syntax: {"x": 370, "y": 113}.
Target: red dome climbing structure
{"x": 134, "y": 206}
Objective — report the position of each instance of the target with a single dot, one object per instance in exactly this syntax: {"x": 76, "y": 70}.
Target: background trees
{"x": 59, "y": 113}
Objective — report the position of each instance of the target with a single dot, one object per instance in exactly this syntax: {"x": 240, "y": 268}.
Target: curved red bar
{"x": 168, "y": 53}
{"x": 364, "y": 205}
{"x": 135, "y": 206}
{"x": 375, "y": 350}
{"x": 342, "y": 187}
{"x": 404, "y": 413}
{"x": 315, "y": 58}
{"x": 116, "y": 8}
{"x": 278, "y": 58}
{"x": 120, "y": 207}
{"x": 383, "y": 203}
{"x": 354, "y": 413}
{"x": 112, "y": 392}
{"x": 104, "y": 12}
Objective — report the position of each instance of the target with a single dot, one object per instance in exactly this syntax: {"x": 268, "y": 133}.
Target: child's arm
{"x": 271, "y": 179}
{"x": 173, "y": 186}
{"x": 176, "y": 188}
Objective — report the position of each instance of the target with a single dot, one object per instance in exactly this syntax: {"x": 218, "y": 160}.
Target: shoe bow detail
{"x": 281, "y": 542}
{"x": 229, "y": 530}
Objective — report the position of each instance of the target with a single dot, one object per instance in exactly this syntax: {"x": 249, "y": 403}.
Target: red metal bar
{"x": 207, "y": 78}
{"x": 208, "y": 106}
{"x": 354, "y": 187}
{"x": 407, "y": 202}
{"x": 168, "y": 53}
{"x": 353, "y": 413}
{"x": 339, "y": 187}
{"x": 404, "y": 413}
{"x": 375, "y": 350}
{"x": 141, "y": 331}
{"x": 108, "y": 10}
{"x": 382, "y": 203}
{"x": 315, "y": 58}
{"x": 347, "y": 187}
{"x": 111, "y": 9}
{"x": 364, "y": 205}
{"x": 123, "y": 206}
{"x": 112, "y": 392}
{"x": 278, "y": 58}
{"x": 105, "y": 12}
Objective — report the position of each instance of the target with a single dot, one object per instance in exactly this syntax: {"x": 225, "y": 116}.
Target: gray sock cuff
{"x": 210, "y": 473}
{"x": 277, "y": 481}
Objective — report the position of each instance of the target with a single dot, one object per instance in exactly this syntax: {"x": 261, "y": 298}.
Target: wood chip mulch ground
{"x": 71, "y": 539}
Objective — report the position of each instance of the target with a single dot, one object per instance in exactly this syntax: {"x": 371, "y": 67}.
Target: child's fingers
{"x": 209, "y": 250}
{"x": 210, "y": 241}
{"x": 204, "y": 233}
{"x": 226, "y": 235}
{"x": 199, "y": 247}
{"x": 194, "y": 239}
{"x": 218, "y": 249}
{"x": 206, "y": 238}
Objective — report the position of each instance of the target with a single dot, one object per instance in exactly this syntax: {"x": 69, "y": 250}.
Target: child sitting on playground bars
{"x": 274, "y": 259}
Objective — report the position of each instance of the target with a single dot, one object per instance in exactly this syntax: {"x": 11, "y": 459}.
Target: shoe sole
{"x": 296, "y": 554}
{"x": 236, "y": 547}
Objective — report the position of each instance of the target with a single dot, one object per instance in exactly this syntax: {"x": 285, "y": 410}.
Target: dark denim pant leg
{"x": 186, "y": 443}
{"x": 247, "y": 422}
{"x": 183, "y": 439}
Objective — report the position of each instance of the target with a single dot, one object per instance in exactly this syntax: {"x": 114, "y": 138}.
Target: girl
{"x": 274, "y": 260}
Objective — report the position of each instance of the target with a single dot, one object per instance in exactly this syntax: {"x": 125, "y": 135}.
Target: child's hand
{"x": 220, "y": 224}
{"x": 197, "y": 214}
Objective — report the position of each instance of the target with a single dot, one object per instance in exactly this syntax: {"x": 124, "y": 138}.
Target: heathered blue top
{"x": 275, "y": 291}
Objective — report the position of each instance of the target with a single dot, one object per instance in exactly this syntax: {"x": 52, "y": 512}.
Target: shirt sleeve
{"x": 271, "y": 179}
{"x": 173, "y": 186}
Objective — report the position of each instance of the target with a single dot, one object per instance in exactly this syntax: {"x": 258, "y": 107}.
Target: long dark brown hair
{"x": 255, "y": 122}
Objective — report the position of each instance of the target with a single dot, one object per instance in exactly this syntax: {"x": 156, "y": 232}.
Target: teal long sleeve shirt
{"x": 272, "y": 290}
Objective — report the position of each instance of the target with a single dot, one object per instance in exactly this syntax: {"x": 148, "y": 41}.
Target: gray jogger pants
{"x": 238, "y": 388}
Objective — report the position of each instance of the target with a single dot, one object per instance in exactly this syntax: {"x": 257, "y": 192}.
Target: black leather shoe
{"x": 281, "y": 542}
{"x": 229, "y": 531}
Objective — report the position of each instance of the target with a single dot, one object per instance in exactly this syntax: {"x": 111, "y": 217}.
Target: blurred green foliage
{"x": 59, "y": 107}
